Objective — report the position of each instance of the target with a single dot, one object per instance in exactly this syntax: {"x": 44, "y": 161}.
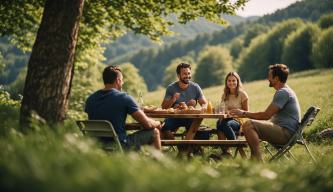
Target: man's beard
{"x": 185, "y": 81}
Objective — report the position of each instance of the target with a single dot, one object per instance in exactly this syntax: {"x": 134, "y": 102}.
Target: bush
{"x": 264, "y": 50}
{"x": 297, "y": 49}
{"x": 9, "y": 112}
{"x": 214, "y": 63}
{"x": 322, "y": 51}
{"x": 326, "y": 21}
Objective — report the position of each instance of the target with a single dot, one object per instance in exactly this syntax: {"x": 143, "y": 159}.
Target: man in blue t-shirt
{"x": 113, "y": 105}
{"x": 283, "y": 112}
{"x": 182, "y": 90}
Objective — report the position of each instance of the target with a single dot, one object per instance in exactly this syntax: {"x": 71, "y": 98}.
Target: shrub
{"x": 214, "y": 63}
{"x": 322, "y": 51}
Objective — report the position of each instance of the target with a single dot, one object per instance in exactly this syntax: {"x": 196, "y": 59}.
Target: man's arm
{"x": 167, "y": 103}
{"x": 147, "y": 122}
{"x": 202, "y": 101}
{"x": 265, "y": 115}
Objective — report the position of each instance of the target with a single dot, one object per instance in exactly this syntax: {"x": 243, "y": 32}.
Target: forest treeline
{"x": 242, "y": 41}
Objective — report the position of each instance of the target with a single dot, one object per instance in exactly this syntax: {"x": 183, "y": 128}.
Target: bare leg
{"x": 157, "y": 139}
{"x": 253, "y": 140}
{"x": 221, "y": 136}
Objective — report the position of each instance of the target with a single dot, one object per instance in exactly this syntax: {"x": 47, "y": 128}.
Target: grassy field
{"x": 62, "y": 159}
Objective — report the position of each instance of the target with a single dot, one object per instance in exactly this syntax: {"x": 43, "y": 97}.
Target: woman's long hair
{"x": 226, "y": 91}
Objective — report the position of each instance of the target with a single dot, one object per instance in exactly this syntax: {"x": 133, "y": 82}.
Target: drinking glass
{"x": 222, "y": 108}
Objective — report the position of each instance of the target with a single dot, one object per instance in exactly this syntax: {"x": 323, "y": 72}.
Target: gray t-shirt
{"x": 193, "y": 91}
{"x": 289, "y": 115}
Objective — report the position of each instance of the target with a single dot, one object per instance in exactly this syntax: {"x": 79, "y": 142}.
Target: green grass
{"x": 63, "y": 159}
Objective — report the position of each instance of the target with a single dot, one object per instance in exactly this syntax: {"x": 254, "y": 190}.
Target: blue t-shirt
{"x": 289, "y": 115}
{"x": 112, "y": 105}
{"x": 193, "y": 91}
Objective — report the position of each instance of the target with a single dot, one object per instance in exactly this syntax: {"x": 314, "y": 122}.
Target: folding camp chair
{"x": 297, "y": 138}
{"x": 101, "y": 129}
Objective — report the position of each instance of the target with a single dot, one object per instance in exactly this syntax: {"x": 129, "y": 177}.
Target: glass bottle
{"x": 209, "y": 107}
{"x": 140, "y": 100}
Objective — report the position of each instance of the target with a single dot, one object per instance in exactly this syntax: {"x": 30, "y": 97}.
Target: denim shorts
{"x": 172, "y": 124}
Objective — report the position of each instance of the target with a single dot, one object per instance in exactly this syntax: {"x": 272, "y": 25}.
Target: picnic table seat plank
{"x": 230, "y": 143}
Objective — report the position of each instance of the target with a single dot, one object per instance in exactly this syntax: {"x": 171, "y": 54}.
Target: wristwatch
{"x": 244, "y": 113}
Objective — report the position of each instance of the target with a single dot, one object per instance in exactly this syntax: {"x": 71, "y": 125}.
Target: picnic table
{"x": 197, "y": 119}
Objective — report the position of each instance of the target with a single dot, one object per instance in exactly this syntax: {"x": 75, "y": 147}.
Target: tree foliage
{"x": 307, "y": 9}
{"x": 297, "y": 50}
{"x": 236, "y": 47}
{"x": 322, "y": 51}
{"x": 253, "y": 31}
{"x": 2, "y": 63}
{"x": 13, "y": 60}
{"x": 326, "y": 21}
{"x": 265, "y": 50}
{"x": 214, "y": 63}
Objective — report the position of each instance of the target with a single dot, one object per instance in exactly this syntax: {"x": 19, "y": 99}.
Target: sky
{"x": 262, "y": 7}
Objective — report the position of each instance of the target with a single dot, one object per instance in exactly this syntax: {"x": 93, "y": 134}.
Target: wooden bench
{"x": 238, "y": 144}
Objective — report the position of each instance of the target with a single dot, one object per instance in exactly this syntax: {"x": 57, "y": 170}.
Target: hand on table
{"x": 192, "y": 103}
{"x": 236, "y": 112}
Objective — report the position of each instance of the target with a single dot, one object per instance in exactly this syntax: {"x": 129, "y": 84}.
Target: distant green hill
{"x": 131, "y": 43}
{"x": 152, "y": 62}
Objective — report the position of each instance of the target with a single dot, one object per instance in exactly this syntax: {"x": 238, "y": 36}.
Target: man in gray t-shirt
{"x": 289, "y": 114}
{"x": 192, "y": 93}
{"x": 283, "y": 112}
{"x": 183, "y": 90}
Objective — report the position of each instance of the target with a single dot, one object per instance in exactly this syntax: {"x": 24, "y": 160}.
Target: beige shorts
{"x": 271, "y": 132}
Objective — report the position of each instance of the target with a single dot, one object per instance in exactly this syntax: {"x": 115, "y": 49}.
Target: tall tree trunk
{"x": 50, "y": 68}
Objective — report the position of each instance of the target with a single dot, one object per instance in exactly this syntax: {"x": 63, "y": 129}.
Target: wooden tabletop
{"x": 190, "y": 116}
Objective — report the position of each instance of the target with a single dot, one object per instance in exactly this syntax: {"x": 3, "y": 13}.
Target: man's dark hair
{"x": 182, "y": 65}
{"x": 280, "y": 70}
{"x": 110, "y": 74}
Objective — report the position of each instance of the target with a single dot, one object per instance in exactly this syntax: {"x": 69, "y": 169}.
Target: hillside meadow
{"x": 62, "y": 159}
